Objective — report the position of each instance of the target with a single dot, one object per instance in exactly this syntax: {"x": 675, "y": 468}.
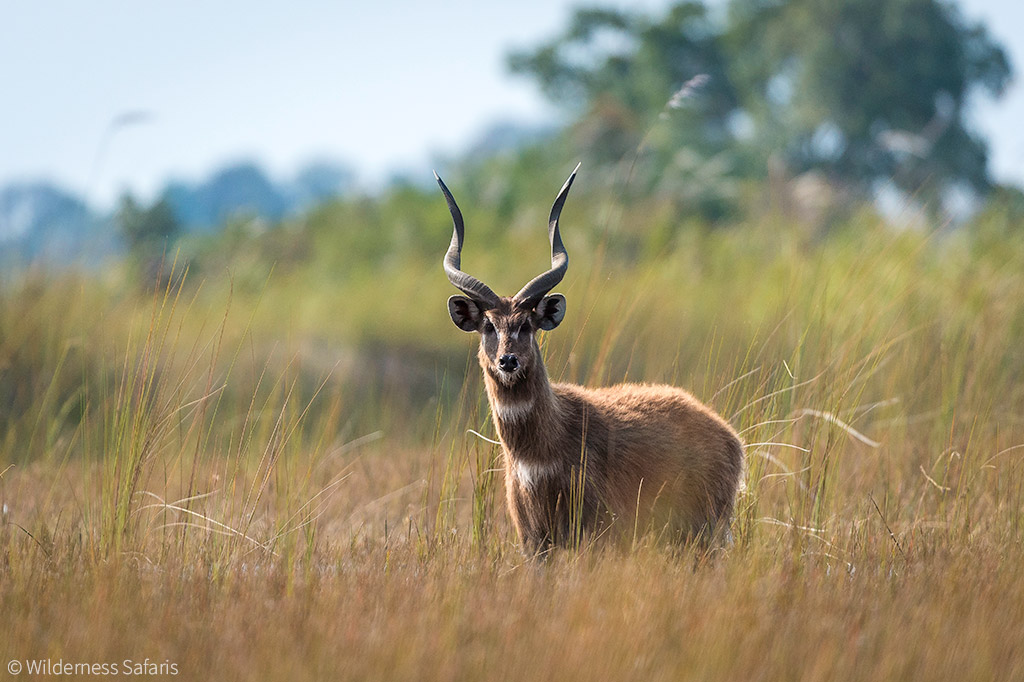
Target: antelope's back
{"x": 666, "y": 453}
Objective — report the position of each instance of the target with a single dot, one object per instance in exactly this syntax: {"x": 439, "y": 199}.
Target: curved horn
{"x": 530, "y": 295}
{"x": 469, "y": 285}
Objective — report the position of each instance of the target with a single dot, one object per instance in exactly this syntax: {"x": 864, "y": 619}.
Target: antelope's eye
{"x": 488, "y": 327}
{"x": 524, "y": 328}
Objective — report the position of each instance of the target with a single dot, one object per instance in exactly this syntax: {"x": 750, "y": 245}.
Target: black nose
{"x": 508, "y": 363}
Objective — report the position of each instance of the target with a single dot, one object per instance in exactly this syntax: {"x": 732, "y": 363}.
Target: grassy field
{"x": 255, "y": 474}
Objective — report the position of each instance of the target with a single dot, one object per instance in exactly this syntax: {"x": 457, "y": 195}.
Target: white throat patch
{"x": 512, "y": 412}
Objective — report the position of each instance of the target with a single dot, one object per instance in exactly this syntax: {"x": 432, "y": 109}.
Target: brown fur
{"x": 647, "y": 457}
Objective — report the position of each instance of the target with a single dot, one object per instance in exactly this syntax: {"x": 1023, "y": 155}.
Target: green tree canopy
{"x": 147, "y": 232}
{"x": 146, "y": 229}
{"x": 866, "y": 89}
{"x": 862, "y": 90}
{"x": 617, "y": 71}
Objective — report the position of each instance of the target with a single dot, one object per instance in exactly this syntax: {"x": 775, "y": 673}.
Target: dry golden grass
{"x": 220, "y": 493}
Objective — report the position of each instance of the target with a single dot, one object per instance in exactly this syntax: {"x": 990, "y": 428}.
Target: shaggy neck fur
{"x": 525, "y": 413}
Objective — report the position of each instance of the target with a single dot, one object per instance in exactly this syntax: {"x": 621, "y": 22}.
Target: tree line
{"x": 861, "y": 91}
{"x": 693, "y": 106}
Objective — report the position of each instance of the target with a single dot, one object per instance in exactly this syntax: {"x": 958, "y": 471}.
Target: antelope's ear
{"x": 466, "y": 314}
{"x": 550, "y": 311}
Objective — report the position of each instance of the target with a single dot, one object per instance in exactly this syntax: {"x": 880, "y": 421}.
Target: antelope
{"x": 584, "y": 460}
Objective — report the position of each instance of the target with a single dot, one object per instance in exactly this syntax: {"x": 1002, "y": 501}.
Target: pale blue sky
{"x": 381, "y": 85}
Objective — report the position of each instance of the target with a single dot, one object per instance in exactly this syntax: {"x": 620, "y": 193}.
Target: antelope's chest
{"x": 534, "y": 478}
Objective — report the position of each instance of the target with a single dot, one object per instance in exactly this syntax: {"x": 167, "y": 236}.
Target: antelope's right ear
{"x": 550, "y": 311}
{"x": 466, "y": 314}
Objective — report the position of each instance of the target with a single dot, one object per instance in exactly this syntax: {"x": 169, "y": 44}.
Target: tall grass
{"x": 294, "y": 479}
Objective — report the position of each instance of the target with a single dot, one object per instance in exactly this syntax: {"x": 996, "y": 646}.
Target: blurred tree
{"x": 617, "y": 72}
{"x": 866, "y": 90}
{"x": 863, "y": 91}
{"x": 147, "y": 232}
{"x": 320, "y": 181}
{"x": 1003, "y": 214}
{"x": 143, "y": 228}
{"x": 241, "y": 190}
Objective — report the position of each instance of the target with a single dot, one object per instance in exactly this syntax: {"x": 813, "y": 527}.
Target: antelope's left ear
{"x": 465, "y": 312}
{"x": 550, "y": 311}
